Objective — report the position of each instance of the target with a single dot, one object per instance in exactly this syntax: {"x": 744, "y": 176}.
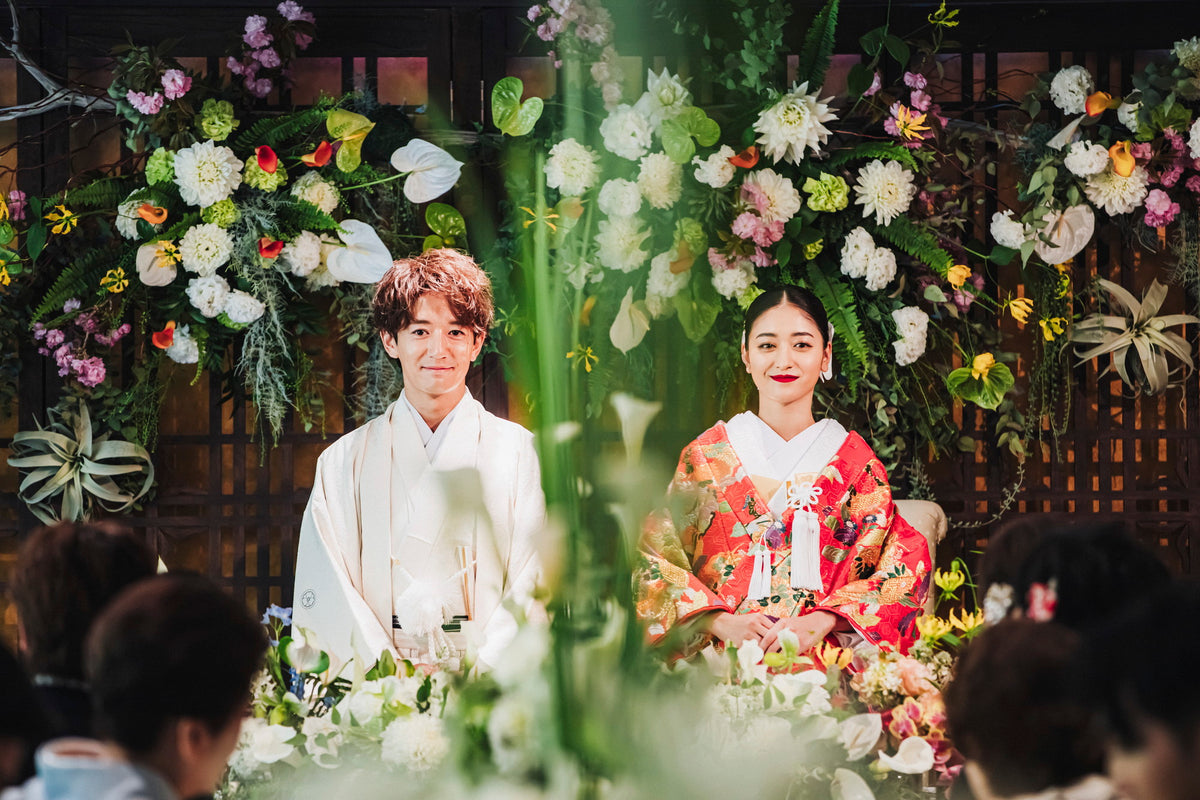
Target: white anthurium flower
{"x": 860, "y": 734}
{"x": 1069, "y": 230}
{"x": 914, "y": 756}
{"x": 364, "y": 259}
{"x": 301, "y": 653}
{"x": 849, "y": 785}
{"x": 635, "y": 415}
{"x": 1066, "y": 135}
{"x": 750, "y": 656}
{"x": 431, "y": 170}
{"x": 631, "y": 324}
{"x": 156, "y": 263}
{"x": 269, "y": 743}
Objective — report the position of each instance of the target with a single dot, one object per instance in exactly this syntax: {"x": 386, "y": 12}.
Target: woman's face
{"x": 1160, "y": 769}
{"x": 784, "y": 355}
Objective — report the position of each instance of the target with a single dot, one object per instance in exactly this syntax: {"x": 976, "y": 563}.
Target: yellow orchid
{"x": 909, "y": 123}
{"x": 1020, "y": 308}
{"x": 1053, "y": 327}
{"x": 833, "y": 656}
{"x": 63, "y": 219}
{"x": 943, "y": 18}
{"x": 933, "y": 628}
{"x": 3, "y": 210}
{"x": 968, "y": 622}
{"x": 585, "y": 356}
{"x": 981, "y": 365}
{"x": 114, "y": 280}
{"x": 5, "y": 278}
{"x": 534, "y": 217}
{"x": 958, "y": 275}
{"x": 949, "y": 580}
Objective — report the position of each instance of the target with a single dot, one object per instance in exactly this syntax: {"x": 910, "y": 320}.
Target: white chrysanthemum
{"x": 783, "y": 199}
{"x": 885, "y": 190}
{"x": 794, "y": 124}
{"x": 665, "y": 98}
{"x": 1194, "y": 139}
{"x": 1127, "y": 115}
{"x": 1117, "y": 195}
{"x": 572, "y": 168}
{"x": 732, "y": 283}
{"x": 626, "y": 132}
{"x": 620, "y": 198}
{"x": 1009, "y": 232}
{"x": 856, "y": 253}
{"x": 302, "y": 255}
{"x": 913, "y": 325}
{"x": 415, "y": 742}
{"x": 312, "y": 188}
{"x": 1085, "y": 158}
{"x": 183, "y": 349}
{"x": 715, "y": 171}
{"x": 1188, "y": 53}
{"x": 207, "y": 294}
{"x": 207, "y": 173}
{"x": 619, "y": 243}
{"x": 1070, "y": 88}
{"x": 243, "y": 308}
{"x": 662, "y": 281}
{"x": 127, "y": 219}
{"x": 205, "y": 248}
{"x": 660, "y": 180}
{"x": 880, "y": 269}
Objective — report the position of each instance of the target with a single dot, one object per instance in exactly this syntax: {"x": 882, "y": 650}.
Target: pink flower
{"x": 745, "y": 225}
{"x": 71, "y": 305}
{"x": 89, "y": 371}
{"x": 717, "y": 260}
{"x": 303, "y": 40}
{"x": 113, "y": 336}
{"x": 235, "y": 66}
{"x": 906, "y": 719}
{"x": 256, "y": 31}
{"x": 294, "y": 12}
{"x": 914, "y": 80}
{"x": 762, "y": 258}
{"x": 920, "y": 100}
{"x": 145, "y": 104}
{"x": 267, "y": 57}
{"x": 875, "y": 86}
{"x": 54, "y": 337}
{"x": 17, "y": 204}
{"x": 259, "y": 88}
{"x": 533, "y": 13}
{"x": 1160, "y": 211}
{"x": 753, "y": 193}
{"x": 1041, "y": 602}
{"x": 550, "y": 29}
{"x": 175, "y": 83}
{"x": 1171, "y": 175}
{"x": 1193, "y": 184}
{"x": 1174, "y": 140}
{"x": 87, "y": 323}
{"x": 915, "y": 678}
{"x": 1142, "y": 151}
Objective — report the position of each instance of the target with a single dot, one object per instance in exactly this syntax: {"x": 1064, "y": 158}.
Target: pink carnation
{"x": 762, "y": 258}
{"x": 1193, "y": 184}
{"x": 1174, "y": 140}
{"x": 16, "y": 204}
{"x": 294, "y": 12}
{"x": 1142, "y": 151}
{"x": 717, "y": 260}
{"x": 914, "y": 80}
{"x": 267, "y": 57}
{"x": 145, "y": 104}
{"x": 256, "y": 32}
{"x": 1160, "y": 211}
{"x": 1171, "y": 175}
{"x": 175, "y": 84}
{"x": 89, "y": 371}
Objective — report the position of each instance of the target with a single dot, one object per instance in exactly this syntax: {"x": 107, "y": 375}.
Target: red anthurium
{"x": 164, "y": 338}
{"x": 746, "y": 159}
{"x": 319, "y": 157}
{"x": 269, "y": 248}
{"x": 1123, "y": 160}
{"x": 267, "y": 160}
{"x": 155, "y": 215}
{"x": 1097, "y": 103}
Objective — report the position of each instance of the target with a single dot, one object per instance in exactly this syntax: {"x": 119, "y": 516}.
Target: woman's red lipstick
{"x": 784, "y": 378}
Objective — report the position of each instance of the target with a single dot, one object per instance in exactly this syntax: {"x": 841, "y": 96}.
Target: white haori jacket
{"x": 388, "y": 531}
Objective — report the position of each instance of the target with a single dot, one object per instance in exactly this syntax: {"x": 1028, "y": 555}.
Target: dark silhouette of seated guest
{"x": 22, "y": 724}
{"x": 170, "y": 662}
{"x": 64, "y": 576}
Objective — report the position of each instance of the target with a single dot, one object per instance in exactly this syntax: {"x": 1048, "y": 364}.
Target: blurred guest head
{"x": 22, "y": 726}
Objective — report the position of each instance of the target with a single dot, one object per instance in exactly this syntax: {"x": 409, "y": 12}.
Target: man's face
{"x": 435, "y": 350}
{"x": 1159, "y": 769}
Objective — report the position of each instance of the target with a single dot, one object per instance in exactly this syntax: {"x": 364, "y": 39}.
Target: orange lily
{"x": 269, "y": 248}
{"x": 164, "y": 338}
{"x": 1123, "y": 160}
{"x": 155, "y": 215}
{"x": 267, "y": 160}
{"x": 1099, "y": 102}
{"x": 319, "y": 157}
{"x": 746, "y": 159}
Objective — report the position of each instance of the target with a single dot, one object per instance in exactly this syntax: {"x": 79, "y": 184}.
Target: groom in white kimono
{"x": 421, "y": 523}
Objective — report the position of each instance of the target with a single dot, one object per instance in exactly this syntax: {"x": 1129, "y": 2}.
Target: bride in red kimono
{"x": 782, "y": 522}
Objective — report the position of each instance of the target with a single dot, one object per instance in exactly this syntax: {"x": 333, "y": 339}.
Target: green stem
{"x": 388, "y": 179}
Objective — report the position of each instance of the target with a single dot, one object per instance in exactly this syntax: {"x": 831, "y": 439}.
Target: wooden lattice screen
{"x": 228, "y": 508}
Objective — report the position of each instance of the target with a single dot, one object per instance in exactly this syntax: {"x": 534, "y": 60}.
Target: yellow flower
{"x": 910, "y": 124}
{"x": 933, "y": 628}
{"x": 1020, "y": 308}
{"x": 64, "y": 219}
{"x": 958, "y": 275}
{"x": 114, "y": 280}
{"x": 1052, "y": 327}
{"x": 544, "y": 218}
{"x": 944, "y": 18}
{"x": 585, "y": 356}
{"x": 968, "y": 622}
{"x": 3, "y": 210}
{"x": 982, "y": 365}
{"x": 832, "y": 656}
{"x": 949, "y": 581}
{"x": 166, "y": 254}
{"x": 5, "y": 278}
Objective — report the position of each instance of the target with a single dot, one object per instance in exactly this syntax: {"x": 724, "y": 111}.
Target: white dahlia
{"x": 885, "y": 190}
{"x": 1188, "y": 53}
{"x": 1070, "y": 88}
{"x": 207, "y": 294}
{"x": 794, "y": 124}
{"x": 572, "y": 168}
{"x": 312, "y": 188}
{"x": 415, "y": 742}
{"x": 881, "y": 269}
{"x": 620, "y": 198}
{"x": 205, "y": 248}
{"x": 1117, "y": 195}
{"x": 183, "y": 349}
{"x": 1085, "y": 158}
{"x": 302, "y": 255}
{"x": 207, "y": 173}
{"x": 619, "y": 243}
{"x": 243, "y": 308}
{"x": 856, "y": 253}
{"x": 715, "y": 171}
{"x": 1009, "y": 232}
{"x": 782, "y": 199}
{"x": 660, "y": 180}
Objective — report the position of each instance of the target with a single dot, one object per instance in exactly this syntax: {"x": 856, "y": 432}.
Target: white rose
{"x": 1007, "y": 231}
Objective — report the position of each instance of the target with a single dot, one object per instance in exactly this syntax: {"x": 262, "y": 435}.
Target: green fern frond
{"x": 180, "y": 227}
{"x": 78, "y": 279}
{"x": 101, "y": 193}
{"x": 849, "y": 343}
{"x": 302, "y": 216}
{"x": 887, "y": 151}
{"x": 818, "y": 47}
{"x": 273, "y": 130}
{"x": 918, "y": 243}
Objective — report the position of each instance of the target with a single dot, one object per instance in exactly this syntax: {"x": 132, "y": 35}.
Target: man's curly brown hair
{"x": 452, "y": 274}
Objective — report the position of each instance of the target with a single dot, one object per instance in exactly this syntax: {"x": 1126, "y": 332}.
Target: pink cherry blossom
{"x": 533, "y": 13}
{"x": 256, "y": 31}
{"x": 303, "y": 40}
{"x": 175, "y": 83}
{"x": 914, "y": 80}
{"x": 920, "y": 100}
{"x": 294, "y": 12}
{"x": 145, "y": 104}
{"x": 267, "y": 57}
{"x": 259, "y": 88}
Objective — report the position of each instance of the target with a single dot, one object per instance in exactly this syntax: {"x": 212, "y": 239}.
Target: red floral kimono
{"x": 874, "y": 566}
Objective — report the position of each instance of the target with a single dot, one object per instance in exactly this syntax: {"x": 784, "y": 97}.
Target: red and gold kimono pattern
{"x": 875, "y": 567}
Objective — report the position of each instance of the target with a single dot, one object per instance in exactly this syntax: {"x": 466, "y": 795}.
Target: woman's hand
{"x": 736, "y": 628}
{"x": 810, "y": 629}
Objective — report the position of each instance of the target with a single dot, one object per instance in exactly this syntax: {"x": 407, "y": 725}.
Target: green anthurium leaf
{"x": 445, "y": 221}
{"x": 987, "y": 391}
{"x": 697, "y": 305}
{"x": 677, "y": 142}
{"x": 512, "y": 116}
{"x": 432, "y": 242}
{"x": 700, "y": 126}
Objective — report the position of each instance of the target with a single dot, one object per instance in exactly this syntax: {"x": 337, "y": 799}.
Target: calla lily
{"x": 749, "y": 657}
{"x": 1123, "y": 160}
{"x": 631, "y": 324}
{"x": 319, "y": 157}
{"x": 1068, "y": 231}
{"x": 364, "y": 259}
{"x": 349, "y": 129}
{"x": 849, "y": 785}
{"x": 155, "y": 215}
{"x": 431, "y": 170}
{"x": 1099, "y": 102}
{"x": 269, "y": 248}
{"x": 914, "y": 756}
{"x": 635, "y": 415}
{"x": 164, "y": 338}
{"x": 1064, "y": 137}
{"x": 746, "y": 159}
{"x": 267, "y": 160}
{"x": 859, "y": 734}
{"x": 303, "y": 655}
{"x": 156, "y": 263}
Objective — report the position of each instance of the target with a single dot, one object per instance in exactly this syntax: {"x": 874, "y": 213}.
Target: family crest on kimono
{"x": 780, "y": 522}
{"x": 421, "y": 523}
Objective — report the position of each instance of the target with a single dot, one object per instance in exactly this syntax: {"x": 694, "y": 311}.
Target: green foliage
{"x": 511, "y": 116}
{"x": 818, "y": 46}
{"x": 849, "y": 344}
{"x": 987, "y": 390}
{"x": 104, "y": 193}
{"x": 919, "y": 243}
{"x": 78, "y": 279}
{"x": 297, "y": 215}
{"x": 885, "y": 151}
{"x": 678, "y": 133}
{"x": 272, "y": 131}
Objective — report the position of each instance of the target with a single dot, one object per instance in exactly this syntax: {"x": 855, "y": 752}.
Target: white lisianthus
{"x": 207, "y": 294}
{"x": 312, "y": 188}
{"x": 660, "y": 180}
{"x": 913, "y": 757}
{"x": 626, "y": 132}
{"x": 1117, "y": 195}
{"x": 913, "y": 326}
{"x": 572, "y": 168}
{"x": 856, "y": 253}
{"x": 782, "y": 198}
{"x": 1085, "y": 158}
{"x": 716, "y": 170}
{"x": 183, "y": 349}
{"x": 733, "y": 283}
{"x": 620, "y": 198}
{"x": 1069, "y": 89}
{"x": 415, "y": 742}
{"x": 619, "y": 243}
{"x": 1127, "y": 115}
{"x": 207, "y": 173}
{"x": 794, "y": 124}
{"x": 205, "y": 248}
{"x": 1009, "y": 232}
{"x": 880, "y": 269}
{"x": 1188, "y": 53}
{"x": 885, "y": 190}
{"x": 302, "y": 255}
{"x": 1194, "y": 139}
{"x": 662, "y": 281}
{"x": 242, "y": 308}
{"x": 127, "y": 219}
{"x": 665, "y": 98}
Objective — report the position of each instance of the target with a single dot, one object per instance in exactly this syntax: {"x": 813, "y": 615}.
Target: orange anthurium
{"x": 267, "y": 160}
{"x": 746, "y": 159}
{"x": 1123, "y": 160}
{"x": 269, "y": 248}
{"x": 1097, "y": 103}
{"x": 164, "y": 338}
{"x": 155, "y": 215}
{"x": 319, "y": 157}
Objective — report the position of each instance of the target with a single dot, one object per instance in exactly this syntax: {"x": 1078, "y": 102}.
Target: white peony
{"x": 732, "y": 283}
{"x": 207, "y": 294}
{"x": 1188, "y": 53}
{"x": 619, "y": 243}
{"x": 620, "y": 198}
{"x": 880, "y": 269}
{"x": 885, "y": 190}
{"x": 661, "y": 180}
{"x": 715, "y": 171}
{"x": 856, "y": 253}
{"x": 572, "y": 168}
{"x": 207, "y": 173}
{"x": 415, "y": 742}
{"x": 1085, "y": 158}
{"x": 183, "y": 349}
{"x": 665, "y": 98}
{"x": 626, "y": 132}
{"x": 243, "y": 308}
{"x": 1007, "y": 231}
{"x": 127, "y": 219}
{"x": 1194, "y": 139}
{"x": 794, "y": 124}
{"x": 205, "y": 248}
{"x": 1127, "y": 115}
{"x": 1117, "y": 195}
{"x": 782, "y": 198}
{"x": 913, "y": 326}
{"x": 661, "y": 281}
{"x": 1070, "y": 89}
{"x": 312, "y": 188}
{"x": 302, "y": 255}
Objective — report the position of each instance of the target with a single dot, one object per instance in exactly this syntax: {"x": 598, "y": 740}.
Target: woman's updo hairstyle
{"x": 789, "y": 295}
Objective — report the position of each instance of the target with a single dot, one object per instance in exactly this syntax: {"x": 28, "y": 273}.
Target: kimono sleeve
{"x": 884, "y": 586}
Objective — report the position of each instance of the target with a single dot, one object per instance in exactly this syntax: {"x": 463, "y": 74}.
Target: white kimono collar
{"x": 431, "y": 439}
{"x": 764, "y": 452}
